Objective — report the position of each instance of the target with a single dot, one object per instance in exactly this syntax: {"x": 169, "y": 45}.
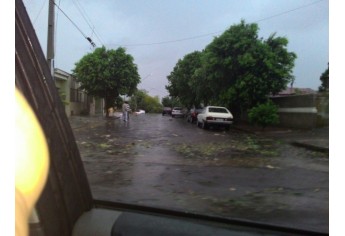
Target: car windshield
{"x": 217, "y": 110}
{"x": 268, "y": 163}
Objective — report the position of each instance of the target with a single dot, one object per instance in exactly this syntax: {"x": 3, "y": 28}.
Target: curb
{"x": 302, "y": 144}
{"x": 265, "y": 132}
{"x": 310, "y": 146}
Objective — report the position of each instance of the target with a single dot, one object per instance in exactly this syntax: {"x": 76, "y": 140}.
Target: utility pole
{"x": 50, "y": 43}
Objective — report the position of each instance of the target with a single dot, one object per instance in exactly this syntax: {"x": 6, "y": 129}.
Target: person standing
{"x": 125, "y": 109}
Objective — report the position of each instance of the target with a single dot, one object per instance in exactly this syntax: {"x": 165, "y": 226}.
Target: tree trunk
{"x": 106, "y": 107}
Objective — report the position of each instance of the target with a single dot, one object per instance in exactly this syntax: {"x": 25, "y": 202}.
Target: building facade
{"x": 76, "y": 100}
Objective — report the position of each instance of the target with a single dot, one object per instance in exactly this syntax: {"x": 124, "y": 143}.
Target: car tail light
{"x": 209, "y": 118}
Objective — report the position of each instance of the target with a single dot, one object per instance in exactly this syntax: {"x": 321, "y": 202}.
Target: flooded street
{"x": 166, "y": 162}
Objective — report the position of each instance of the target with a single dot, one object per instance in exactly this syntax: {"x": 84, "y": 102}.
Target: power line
{"x": 87, "y": 38}
{"x": 39, "y": 13}
{"x": 214, "y": 33}
{"x": 283, "y": 13}
{"x": 170, "y": 41}
{"x": 87, "y": 19}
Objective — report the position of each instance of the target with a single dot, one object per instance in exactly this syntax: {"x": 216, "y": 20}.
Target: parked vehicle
{"x": 139, "y": 112}
{"x": 177, "y": 111}
{"x": 166, "y": 111}
{"x": 214, "y": 116}
{"x": 192, "y": 114}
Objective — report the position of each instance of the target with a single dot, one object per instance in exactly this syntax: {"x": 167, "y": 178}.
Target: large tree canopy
{"x": 237, "y": 69}
{"x": 107, "y": 74}
{"x": 168, "y": 101}
{"x": 142, "y": 100}
{"x": 244, "y": 69}
{"x": 182, "y": 80}
{"x": 324, "y": 87}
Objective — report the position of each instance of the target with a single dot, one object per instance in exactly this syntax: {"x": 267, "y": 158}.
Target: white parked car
{"x": 177, "y": 111}
{"x": 214, "y": 116}
{"x": 140, "y": 112}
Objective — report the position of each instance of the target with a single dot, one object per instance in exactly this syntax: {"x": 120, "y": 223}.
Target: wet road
{"x": 160, "y": 161}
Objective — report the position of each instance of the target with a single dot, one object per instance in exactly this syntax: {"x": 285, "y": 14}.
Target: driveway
{"x": 166, "y": 162}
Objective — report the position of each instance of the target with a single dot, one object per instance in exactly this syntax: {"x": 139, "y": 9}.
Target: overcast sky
{"x": 157, "y": 33}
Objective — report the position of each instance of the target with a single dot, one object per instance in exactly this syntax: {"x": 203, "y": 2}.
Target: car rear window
{"x": 177, "y": 108}
{"x": 217, "y": 110}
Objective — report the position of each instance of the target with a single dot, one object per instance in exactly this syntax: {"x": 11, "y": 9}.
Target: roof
{"x": 60, "y": 74}
{"x": 294, "y": 91}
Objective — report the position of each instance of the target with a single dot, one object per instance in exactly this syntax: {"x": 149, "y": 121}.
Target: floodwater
{"x": 166, "y": 162}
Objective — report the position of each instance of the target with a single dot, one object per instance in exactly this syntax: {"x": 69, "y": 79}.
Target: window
{"x": 73, "y": 95}
{"x": 217, "y": 110}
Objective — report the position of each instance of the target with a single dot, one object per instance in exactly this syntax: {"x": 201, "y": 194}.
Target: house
{"x": 76, "y": 100}
{"x": 290, "y": 91}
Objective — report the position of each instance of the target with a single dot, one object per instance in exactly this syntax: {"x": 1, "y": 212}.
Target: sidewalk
{"x": 78, "y": 121}
{"x": 316, "y": 139}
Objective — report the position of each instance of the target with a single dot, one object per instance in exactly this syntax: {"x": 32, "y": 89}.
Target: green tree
{"x": 107, "y": 74}
{"x": 244, "y": 69}
{"x": 204, "y": 88}
{"x": 183, "y": 79}
{"x": 168, "y": 101}
{"x": 62, "y": 95}
{"x": 137, "y": 100}
{"x": 118, "y": 102}
{"x": 142, "y": 100}
{"x": 324, "y": 81}
{"x": 152, "y": 104}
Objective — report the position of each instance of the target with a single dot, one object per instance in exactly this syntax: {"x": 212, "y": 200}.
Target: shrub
{"x": 264, "y": 114}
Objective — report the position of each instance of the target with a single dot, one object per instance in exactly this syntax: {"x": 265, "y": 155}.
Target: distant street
{"x": 166, "y": 162}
